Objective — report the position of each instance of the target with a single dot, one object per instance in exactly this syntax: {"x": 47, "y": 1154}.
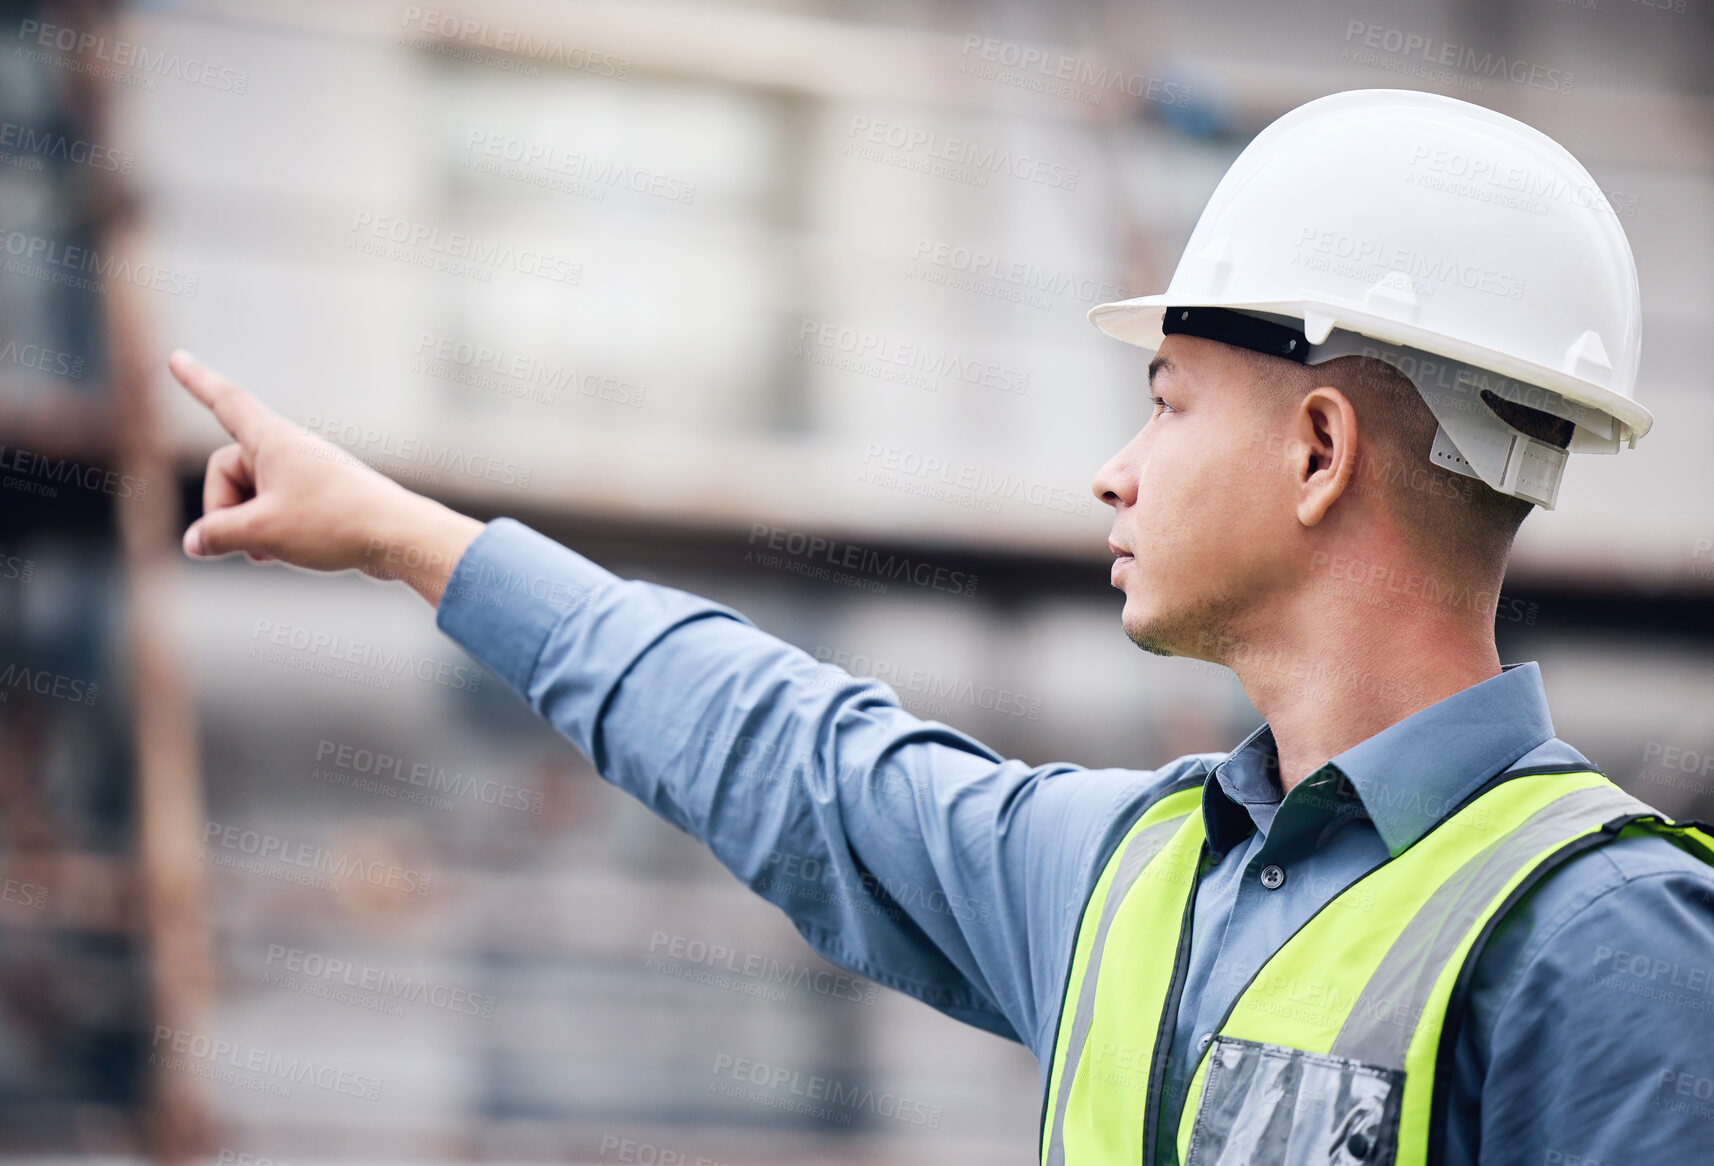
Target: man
{"x": 1402, "y": 921}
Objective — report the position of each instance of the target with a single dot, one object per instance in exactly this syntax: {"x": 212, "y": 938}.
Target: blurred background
{"x": 659, "y": 278}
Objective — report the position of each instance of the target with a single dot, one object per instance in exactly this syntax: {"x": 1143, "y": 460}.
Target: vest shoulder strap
{"x": 1691, "y": 835}
{"x": 1364, "y": 984}
{"x": 1168, "y": 821}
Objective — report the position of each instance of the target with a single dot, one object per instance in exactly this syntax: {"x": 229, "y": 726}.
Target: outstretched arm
{"x": 900, "y": 848}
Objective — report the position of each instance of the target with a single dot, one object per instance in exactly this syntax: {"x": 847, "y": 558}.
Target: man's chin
{"x": 1186, "y": 632}
{"x": 1151, "y": 634}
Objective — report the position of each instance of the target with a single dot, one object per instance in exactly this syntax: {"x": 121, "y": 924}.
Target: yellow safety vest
{"x": 1332, "y": 1053}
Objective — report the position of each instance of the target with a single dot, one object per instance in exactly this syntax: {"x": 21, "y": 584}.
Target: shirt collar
{"x": 1242, "y": 792}
{"x": 1409, "y": 775}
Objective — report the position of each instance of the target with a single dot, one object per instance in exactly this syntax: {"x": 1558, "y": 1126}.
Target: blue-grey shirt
{"x": 910, "y": 853}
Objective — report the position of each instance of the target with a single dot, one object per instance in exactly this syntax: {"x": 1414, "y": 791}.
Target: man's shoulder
{"x": 1637, "y": 871}
{"x": 1643, "y": 857}
{"x": 1588, "y": 1010}
{"x": 1640, "y": 895}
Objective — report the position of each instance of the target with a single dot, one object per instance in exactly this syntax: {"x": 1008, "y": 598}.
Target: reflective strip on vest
{"x": 1381, "y": 984}
{"x": 1403, "y": 982}
{"x": 1087, "y": 1089}
{"x": 1329, "y": 1054}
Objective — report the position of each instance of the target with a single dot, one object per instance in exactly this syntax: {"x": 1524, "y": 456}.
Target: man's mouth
{"x": 1121, "y": 559}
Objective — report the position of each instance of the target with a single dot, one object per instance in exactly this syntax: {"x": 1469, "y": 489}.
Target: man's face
{"x": 1203, "y": 519}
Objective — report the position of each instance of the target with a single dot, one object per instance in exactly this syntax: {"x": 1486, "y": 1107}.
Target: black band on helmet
{"x": 1235, "y": 328}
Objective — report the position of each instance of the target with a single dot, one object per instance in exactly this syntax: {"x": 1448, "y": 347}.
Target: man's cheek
{"x": 1169, "y": 512}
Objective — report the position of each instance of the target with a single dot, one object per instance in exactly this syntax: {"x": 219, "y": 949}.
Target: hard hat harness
{"x": 1472, "y": 439}
{"x": 1239, "y": 330}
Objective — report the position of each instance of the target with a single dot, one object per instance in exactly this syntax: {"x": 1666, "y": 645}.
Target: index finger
{"x": 240, "y": 414}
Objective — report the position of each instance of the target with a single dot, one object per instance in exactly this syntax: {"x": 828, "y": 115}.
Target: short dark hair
{"x": 1445, "y": 514}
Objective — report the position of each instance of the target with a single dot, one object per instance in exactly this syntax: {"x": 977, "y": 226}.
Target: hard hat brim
{"x": 1138, "y": 321}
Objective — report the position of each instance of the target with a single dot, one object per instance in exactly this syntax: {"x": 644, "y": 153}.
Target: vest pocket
{"x": 1268, "y": 1105}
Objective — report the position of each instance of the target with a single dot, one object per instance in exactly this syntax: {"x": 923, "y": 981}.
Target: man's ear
{"x": 1326, "y": 429}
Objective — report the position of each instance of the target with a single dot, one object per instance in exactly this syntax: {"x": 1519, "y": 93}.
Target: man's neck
{"x": 1339, "y": 673}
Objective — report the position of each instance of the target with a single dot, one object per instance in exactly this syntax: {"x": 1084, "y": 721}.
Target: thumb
{"x": 220, "y": 532}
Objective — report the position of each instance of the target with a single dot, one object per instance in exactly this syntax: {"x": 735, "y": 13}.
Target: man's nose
{"x": 1116, "y": 482}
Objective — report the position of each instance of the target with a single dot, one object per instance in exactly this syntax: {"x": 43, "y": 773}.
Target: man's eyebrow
{"x": 1158, "y": 364}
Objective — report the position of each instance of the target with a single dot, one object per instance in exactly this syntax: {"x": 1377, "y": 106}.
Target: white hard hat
{"x": 1466, "y": 248}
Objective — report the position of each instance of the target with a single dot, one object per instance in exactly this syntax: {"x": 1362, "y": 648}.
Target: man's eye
{"x": 1161, "y": 406}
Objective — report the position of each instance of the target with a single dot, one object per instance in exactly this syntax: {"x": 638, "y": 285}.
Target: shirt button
{"x": 1273, "y": 876}
{"x": 1203, "y": 1041}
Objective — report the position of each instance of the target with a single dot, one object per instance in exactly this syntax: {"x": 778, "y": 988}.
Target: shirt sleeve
{"x": 900, "y": 848}
{"x": 1591, "y": 1038}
